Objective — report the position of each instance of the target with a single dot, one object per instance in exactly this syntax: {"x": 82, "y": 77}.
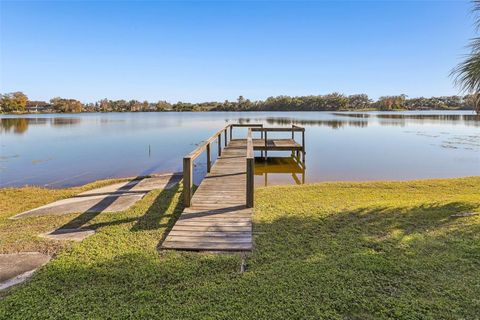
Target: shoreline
{"x": 112, "y": 180}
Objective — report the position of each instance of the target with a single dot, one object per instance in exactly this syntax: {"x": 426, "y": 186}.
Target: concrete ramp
{"x": 112, "y": 198}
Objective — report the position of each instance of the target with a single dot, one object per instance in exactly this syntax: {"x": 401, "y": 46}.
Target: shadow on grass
{"x": 98, "y": 207}
{"x": 149, "y": 221}
{"x": 367, "y": 263}
{"x": 369, "y": 226}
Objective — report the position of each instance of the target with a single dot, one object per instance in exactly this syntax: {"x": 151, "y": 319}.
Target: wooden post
{"x": 261, "y": 136}
{"x": 250, "y": 181}
{"x": 303, "y": 146}
{"x": 250, "y": 169}
{"x": 293, "y": 132}
{"x": 187, "y": 181}
{"x": 265, "y": 145}
{"x": 219, "y": 144}
{"x": 226, "y": 137}
{"x": 209, "y": 158}
{"x": 231, "y": 129}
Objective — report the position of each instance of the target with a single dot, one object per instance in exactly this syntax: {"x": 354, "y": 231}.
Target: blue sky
{"x": 204, "y": 51}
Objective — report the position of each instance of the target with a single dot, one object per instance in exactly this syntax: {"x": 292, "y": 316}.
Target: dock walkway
{"x": 218, "y": 216}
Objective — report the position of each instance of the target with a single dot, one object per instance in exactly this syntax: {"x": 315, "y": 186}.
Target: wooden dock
{"x": 218, "y": 217}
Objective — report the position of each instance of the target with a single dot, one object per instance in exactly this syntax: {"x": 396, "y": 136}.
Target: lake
{"x": 61, "y": 150}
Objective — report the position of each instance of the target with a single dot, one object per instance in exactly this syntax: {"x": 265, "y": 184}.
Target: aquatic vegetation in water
{"x": 37, "y": 161}
{"x": 468, "y": 142}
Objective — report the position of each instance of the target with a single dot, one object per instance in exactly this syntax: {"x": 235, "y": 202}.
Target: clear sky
{"x": 205, "y": 51}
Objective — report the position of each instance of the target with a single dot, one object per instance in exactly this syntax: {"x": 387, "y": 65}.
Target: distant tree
{"x": 162, "y": 106}
{"x": 134, "y": 105}
{"x": 359, "y": 101}
{"x": 104, "y": 105}
{"x": 89, "y": 107}
{"x": 183, "y": 106}
{"x": 66, "y": 105}
{"x": 391, "y": 102}
{"x": 13, "y": 102}
{"x": 467, "y": 73}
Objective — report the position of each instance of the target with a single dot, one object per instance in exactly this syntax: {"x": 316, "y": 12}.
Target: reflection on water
{"x": 384, "y": 119}
{"x": 275, "y": 169}
{"x": 15, "y": 125}
{"x": 284, "y": 121}
{"x": 63, "y": 122}
{"x": 351, "y": 114}
{"x": 59, "y": 150}
{"x": 20, "y": 125}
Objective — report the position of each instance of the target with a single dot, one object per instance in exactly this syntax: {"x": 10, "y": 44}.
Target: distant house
{"x": 38, "y": 106}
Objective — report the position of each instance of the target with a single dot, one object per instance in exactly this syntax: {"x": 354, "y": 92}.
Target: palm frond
{"x": 476, "y": 12}
{"x": 467, "y": 74}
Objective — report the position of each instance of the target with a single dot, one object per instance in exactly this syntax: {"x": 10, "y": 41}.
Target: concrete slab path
{"x": 17, "y": 267}
{"x": 112, "y": 198}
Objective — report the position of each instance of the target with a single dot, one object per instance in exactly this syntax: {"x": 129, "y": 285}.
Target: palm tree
{"x": 467, "y": 73}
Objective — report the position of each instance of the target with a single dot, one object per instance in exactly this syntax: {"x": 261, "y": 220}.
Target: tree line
{"x": 18, "y": 102}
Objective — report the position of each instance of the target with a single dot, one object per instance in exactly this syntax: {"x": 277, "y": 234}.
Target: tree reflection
{"x": 17, "y": 125}
{"x": 20, "y": 125}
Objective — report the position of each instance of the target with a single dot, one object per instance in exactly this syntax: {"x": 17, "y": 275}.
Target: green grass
{"x": 375, "y": 250}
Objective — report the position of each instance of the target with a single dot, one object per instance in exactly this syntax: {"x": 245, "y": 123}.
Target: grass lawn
{"x": 331, "y": 250}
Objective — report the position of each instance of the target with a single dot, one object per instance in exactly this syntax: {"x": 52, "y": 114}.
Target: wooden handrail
{"x": 234, "y": 125}
{"x": 299, "y": 129}
{"x": 250, "y": 170}
{"x": 205, "y": 146}
{"x": 246, "y": 125}
{"x": 188, "y": 163}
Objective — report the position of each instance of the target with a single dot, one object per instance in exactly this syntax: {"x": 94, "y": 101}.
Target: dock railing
{"x": 243, "y": 125}
{"x": 293, "y": 129}
{"x": 206, "y": 146}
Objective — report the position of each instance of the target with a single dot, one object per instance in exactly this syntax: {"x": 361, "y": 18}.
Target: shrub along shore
{"x": 359, "y": 250}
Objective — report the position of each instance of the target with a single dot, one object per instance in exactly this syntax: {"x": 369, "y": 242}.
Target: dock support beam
{"x": 219, "y": 144}
{"x": 266, "y": 145}
{"x": 187, "y": 181}
{"x": 250, "y": 170}
{"x": 250, "y": 181}
{"x": 303, "y": 147}
{"x": 209, "y": 158}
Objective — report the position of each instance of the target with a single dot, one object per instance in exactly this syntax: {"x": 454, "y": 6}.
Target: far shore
{"x": 233, "y": 111}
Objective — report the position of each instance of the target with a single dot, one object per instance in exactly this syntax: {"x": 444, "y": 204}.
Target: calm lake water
{"x": 59, "y": 150}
